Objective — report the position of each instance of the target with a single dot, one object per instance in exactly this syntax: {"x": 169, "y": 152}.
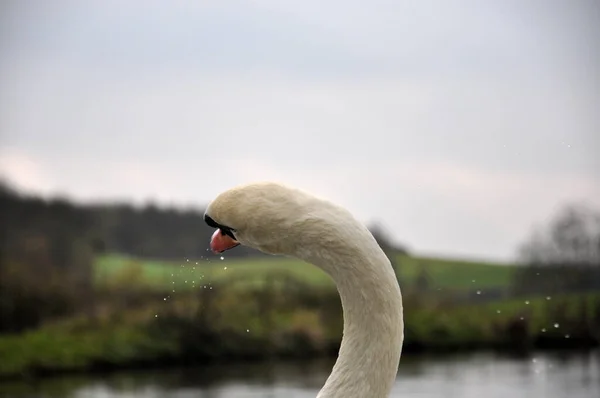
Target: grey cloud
{"x": 459, "y": 124}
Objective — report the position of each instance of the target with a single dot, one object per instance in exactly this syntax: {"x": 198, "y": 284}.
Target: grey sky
{"x": 458, "y": 124}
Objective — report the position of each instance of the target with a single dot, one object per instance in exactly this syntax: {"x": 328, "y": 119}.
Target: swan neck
{"x": 373, "y": 324}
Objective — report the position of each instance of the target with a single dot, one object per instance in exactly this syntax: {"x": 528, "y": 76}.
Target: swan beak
{"x": 221, "y": 242}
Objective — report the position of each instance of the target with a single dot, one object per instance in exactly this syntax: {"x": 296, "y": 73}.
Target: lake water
{"x": 548, "y": 375}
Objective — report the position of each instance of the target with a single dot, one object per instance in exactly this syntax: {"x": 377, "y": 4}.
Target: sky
{"x": 457, "y": 125}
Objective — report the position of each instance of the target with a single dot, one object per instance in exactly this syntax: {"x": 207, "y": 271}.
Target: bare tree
{"x": 563, "y": 256}
{"x": 573, "y": 237}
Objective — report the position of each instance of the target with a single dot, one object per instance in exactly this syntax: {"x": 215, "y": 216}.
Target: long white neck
{"x": 373, "y": 321}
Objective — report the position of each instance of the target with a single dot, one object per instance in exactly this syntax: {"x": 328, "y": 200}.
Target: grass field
{"x": 187, "y": 274}
{"x": 456, "y": 274}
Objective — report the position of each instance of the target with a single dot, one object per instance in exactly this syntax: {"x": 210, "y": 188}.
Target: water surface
{"x": 548, "y": 375}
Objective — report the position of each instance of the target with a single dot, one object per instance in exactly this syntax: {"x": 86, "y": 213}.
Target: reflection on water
{"x": 540, "y": 375}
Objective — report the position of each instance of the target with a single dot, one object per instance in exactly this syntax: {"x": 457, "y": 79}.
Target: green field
{"x": 456, "y": 274}
{"x": 187, "y": 274}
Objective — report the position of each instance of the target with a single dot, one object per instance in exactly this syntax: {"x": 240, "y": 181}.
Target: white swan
{"x": 276, "y": 219}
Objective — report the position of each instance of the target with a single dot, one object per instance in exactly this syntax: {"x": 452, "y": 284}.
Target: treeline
{"x": 46, "y": 259}
{"x": 48, "y": 247}
{"x": 153, "y": 232}
{"x": 147, "y": 232}
{"x": 563, "y": 256}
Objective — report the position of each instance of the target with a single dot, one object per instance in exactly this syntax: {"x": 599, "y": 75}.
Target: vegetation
{"x": 440, "y": 273}
{"x": 565, "y": 256}
{"x": 286, "y": 319}
{"x": 68, "y": 302}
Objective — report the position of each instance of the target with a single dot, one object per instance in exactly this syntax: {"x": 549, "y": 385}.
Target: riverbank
{"x": 548, "y": 374}
{"x": 224, "y": 324}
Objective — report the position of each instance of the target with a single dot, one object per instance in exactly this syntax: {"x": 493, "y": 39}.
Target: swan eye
{"x": 210, "y": 222}
{"x": 224, "y": 229}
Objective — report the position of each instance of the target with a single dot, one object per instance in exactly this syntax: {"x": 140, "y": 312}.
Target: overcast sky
{"x": 457, "y": 124}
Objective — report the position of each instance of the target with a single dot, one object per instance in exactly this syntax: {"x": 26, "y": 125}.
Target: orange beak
{"x": 221, "y": 242}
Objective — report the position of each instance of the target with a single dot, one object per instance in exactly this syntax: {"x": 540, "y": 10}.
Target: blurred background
{"x": 464, "y": 134}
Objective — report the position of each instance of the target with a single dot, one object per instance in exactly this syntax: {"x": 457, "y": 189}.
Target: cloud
{"x": 24, "y": 171}
{"x": 326, "y": 38}
{"x": 458, "y": 127}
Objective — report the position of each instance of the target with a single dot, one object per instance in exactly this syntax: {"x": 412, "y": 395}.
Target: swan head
{"x": 267, "y": 216}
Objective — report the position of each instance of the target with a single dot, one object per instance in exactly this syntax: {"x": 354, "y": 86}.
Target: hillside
{"x": 160, "y": 274}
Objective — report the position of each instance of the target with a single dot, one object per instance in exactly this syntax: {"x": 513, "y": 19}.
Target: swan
{"x": 281, "y": 220}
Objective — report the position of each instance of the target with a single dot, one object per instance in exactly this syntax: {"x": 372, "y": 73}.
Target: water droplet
{"x": 544, "y": 330}
{"x": 556, "y": 325}
{"x": 534, "y": 360}
{"x": 479, "y": 292}
{"x": 498, "y": 311}
{"x": 522, "y": 318}
{"x": 473, "y": 281}
{"x": 211, "y": 288}
{"x": 548, "y": 298}
{"x": 188, "y": 260}
{"x": 185, "y": 281}
{"x": 173, "y": 290}
{"x": 527, "y": 302}
{"x": 222, "y": 258}
{"x": 567, "y": 336}
{"x": 224, "y": 267}
{"x": 156, "y": 315}
{"x": 196, "y": 263}
{"x": 171, "y": 274}
{"x": 165, "y": 299}
{"x": 247, "y": 330}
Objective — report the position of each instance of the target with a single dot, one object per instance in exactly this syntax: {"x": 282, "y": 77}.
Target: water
{"x": 477, "y": 375}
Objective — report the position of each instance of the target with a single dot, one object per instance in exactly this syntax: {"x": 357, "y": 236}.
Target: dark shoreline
{"x": 105, "y": 368}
